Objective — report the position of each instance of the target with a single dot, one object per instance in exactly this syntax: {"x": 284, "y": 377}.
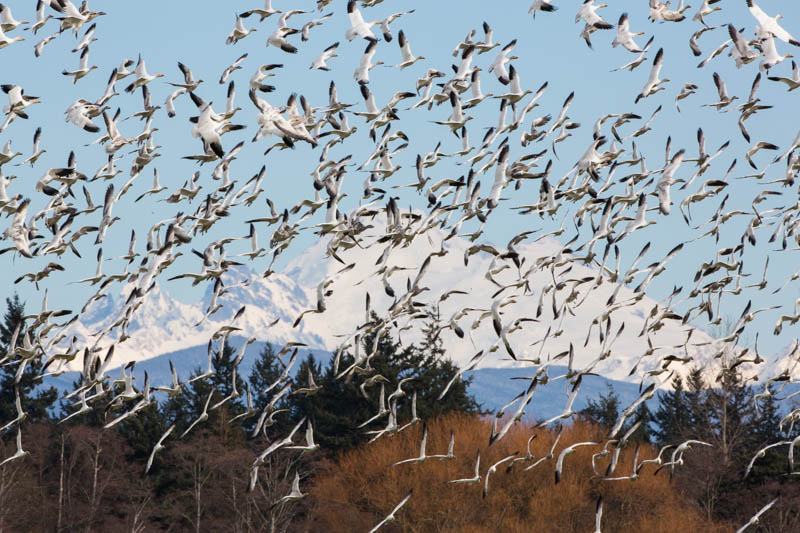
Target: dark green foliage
{"x": 35, "y": 400}
{"x": 188, "y": 406}
{"x": 604, "y": 411}
{"x": 340, "y": 406}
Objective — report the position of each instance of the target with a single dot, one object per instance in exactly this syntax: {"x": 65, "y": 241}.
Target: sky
{"x": 548, "y": 48}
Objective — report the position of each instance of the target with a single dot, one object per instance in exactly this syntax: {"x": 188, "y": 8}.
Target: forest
{"x": 96, "y": 469}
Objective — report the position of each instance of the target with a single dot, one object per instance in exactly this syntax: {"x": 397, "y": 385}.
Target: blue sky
{"x": 549, "y": 49}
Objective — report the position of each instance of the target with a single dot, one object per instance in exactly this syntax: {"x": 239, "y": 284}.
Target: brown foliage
{"x": 357, "y": 489}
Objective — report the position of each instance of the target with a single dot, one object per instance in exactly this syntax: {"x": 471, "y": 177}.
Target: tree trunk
{"x": 60, "y": 486}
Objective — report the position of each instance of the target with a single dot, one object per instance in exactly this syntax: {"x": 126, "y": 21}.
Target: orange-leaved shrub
{"x": 357, "y": 489}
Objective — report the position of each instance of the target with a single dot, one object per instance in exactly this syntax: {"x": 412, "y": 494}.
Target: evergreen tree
{"x": 264, "y": 377}
{"x": 672, "y": 418}
{"x": 343, "y": 403}
{"x": 188, "y": 406}
{"x": 604, "y": 411}
{"x": 35, "y": 400}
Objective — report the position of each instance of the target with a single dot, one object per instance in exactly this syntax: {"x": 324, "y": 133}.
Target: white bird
{"x": 755, "y": 519}
{"x": 793, "y": 82}
{"x": 477, "y": 477}
{"x": 190, "y": 84}
{"x": 267, "y": 11}
{"x": 5, "y": 40}
{"x": 405, "y": 48}
{"x": 17, "y": 232}
{"x": 295, "y": 494}
{"x": 17, "y": 100}
{"x": 666, "y": 181}
{"x": 653, "y": 82}
{"x": 203, "y": 416}
{"x": 770, "y": 24}
{"x": 498, "y": 66}
{"x": 7, "y": 20}
{"x": 142, "y": 76}
{"x": 588, "y": 12}
{"x": 541, "y": 5}
{"x": 278, "y": 39}
{"x": 625, "y": 37}
{"x": 771, "y": 57}
{"x": 305, "y": 31}
{"x": 722, "y": 91}
{"x": 157, "y": 448}
{"x": 358, "y": 27}
{"x": 230, "y": 69}
{"x": 362, "y": 72}
{"x": 20, "y": 453}
{"x": 83, "y": 69}
{"x": 385, "y": 31}
{"x": 321, "y": 61}
{"x": 87, "y": 39}
{"x": 566, "y": 451}
{"x": 492, "y": 469}
{"x": 705, "y": 10}
{"x": 390, "y": 517}
{"x": 78, "y": 114}
{"x": 421, "y": 457}
{"x": 457, "y": 119}
{"x": 238, "y": 32}
{"x": 41, "y": 19}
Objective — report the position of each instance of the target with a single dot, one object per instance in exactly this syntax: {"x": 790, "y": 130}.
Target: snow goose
{"x": 190, "y": 84}
{"x": 405, "y": 48}
{"x": 6, "y": 40}
{"x": 457, "y": 119}
{"x": 498, "y": 66}
{"x": 390, "y": 517}
{"x": 238, "y": 32}
{"x": 516, "y": 93}
{"x": 230, "y": 69}
{"x": 142, "y": 77}
{"x": 262, "y": 13}
{"x": 385, "y": 31}
{"x": 159, "y": 445}
{"x": 295, "y": 494}
{"x": 724, "y": 99}
{"x": 305, "y": 31}
{"x": 87, "y": 39}
{"x": 770, "y": 24}
{"x": 588, "y": 12}
{"x": 321, "y": 61}
{"x": 7, "y": 21}
{"x": 653, "y": 82}
{"x": 771, "y": 57}
{"x": 705, "y": 10}
{"x": 793, "y": 82}
{"x": 625, "y": 37}
{"x": 487, "y": 43}
{"x": 278, "y": 39}
{"x": 541, "y": 5}
{"x": 359, "y": 28}
{"x": 83, "y": 68}
{"x": 362, "y": 72}
{"x": 17, "y": 100}
{"x": 41, "y": 19}
{"x": 20, "y": 453}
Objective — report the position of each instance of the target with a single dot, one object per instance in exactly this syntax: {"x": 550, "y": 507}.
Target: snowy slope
{"x": 164, "y": 325}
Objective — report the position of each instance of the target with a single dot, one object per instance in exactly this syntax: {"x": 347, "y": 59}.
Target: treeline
{"x": 85, "y": 468}
{"x": 88, "y": 473}
{"x": 735, "y": 476}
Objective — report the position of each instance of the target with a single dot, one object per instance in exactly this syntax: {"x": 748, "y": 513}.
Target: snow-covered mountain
{"x": 163, "y": 324}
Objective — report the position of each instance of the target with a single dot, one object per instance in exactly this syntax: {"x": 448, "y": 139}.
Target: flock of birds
{"x": 610, "y": 186}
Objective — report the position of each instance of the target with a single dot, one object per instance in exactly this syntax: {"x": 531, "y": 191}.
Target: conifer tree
{"x": 35, "y": 399}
